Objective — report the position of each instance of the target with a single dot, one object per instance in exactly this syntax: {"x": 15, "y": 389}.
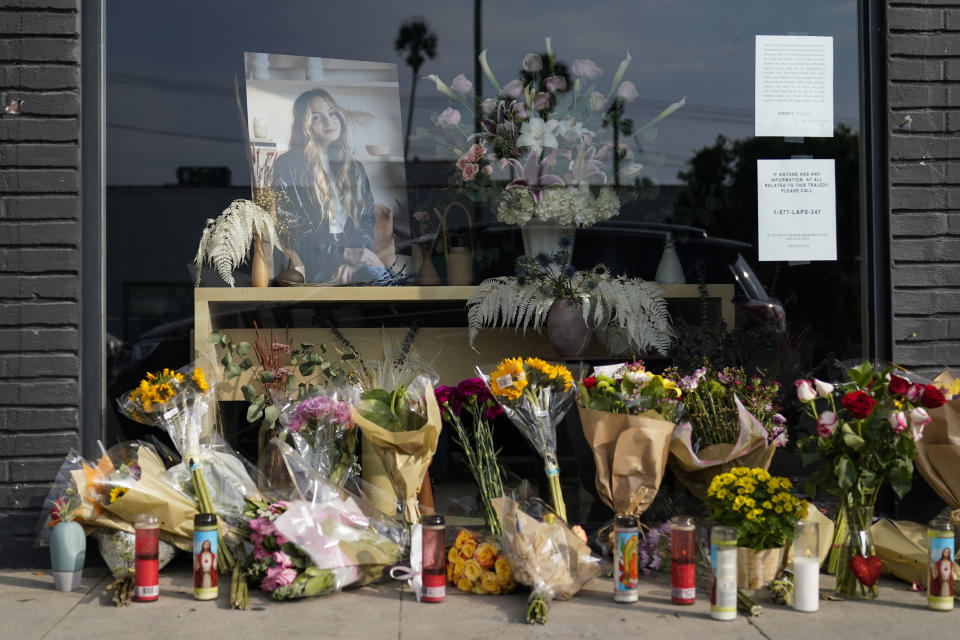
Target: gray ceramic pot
{"x": 568, "y": 332}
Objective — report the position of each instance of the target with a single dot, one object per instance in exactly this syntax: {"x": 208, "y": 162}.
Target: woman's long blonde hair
{"x": 346, "y": 170}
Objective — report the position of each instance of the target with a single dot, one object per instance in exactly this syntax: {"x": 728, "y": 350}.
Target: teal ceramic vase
{"x": 68, "y": 550}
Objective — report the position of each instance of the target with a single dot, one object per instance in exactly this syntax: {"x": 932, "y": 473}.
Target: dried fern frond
{"x": 628, "y": 315}
{"x": 225, "y": 241}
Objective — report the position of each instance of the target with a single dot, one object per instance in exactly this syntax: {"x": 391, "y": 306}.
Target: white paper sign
{"x": 796, "y": 210}
{"x": 794, "y": 86}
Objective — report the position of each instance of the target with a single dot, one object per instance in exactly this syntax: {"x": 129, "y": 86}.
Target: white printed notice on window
{"x": 794, "y": 86}
{"x": 796, "y": 210}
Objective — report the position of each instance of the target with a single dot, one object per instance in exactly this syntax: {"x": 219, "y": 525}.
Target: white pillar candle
{"x": 806, "y": 583}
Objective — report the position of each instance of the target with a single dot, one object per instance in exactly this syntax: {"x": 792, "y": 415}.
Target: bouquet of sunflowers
{"x": 536, "y": 395}
{"x": 477, "y": 566}
{"x": 151, "y": 401}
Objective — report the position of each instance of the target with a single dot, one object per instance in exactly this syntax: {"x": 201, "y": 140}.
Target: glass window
{"x": 176, "y": 156}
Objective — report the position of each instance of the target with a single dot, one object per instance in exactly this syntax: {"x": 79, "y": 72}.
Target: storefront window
{"x": 179, "y": 85}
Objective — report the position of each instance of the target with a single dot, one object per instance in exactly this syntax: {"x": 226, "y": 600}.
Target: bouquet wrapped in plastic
{"x": 177, "y": 402}
{"x": 536, "y": 395}
{"x": 403, "y": 425}
{"x": 322, "y": 540}
{"x": 547, "y": 556}
{"x": 321, "y": 428}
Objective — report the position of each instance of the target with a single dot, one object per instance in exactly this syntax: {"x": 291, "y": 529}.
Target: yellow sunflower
{"x": 200, "y": 380}
{"x": 508, "y": 379}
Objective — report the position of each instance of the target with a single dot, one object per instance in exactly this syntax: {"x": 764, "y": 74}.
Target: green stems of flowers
{"x": 482, "y": 460}
{"x": 225, "y": 559}
{"x": 537, "y": 610}
{"x": 551, "y": 467}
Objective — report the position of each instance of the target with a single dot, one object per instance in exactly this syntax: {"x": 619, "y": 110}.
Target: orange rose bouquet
{"x": 476, "y": 565}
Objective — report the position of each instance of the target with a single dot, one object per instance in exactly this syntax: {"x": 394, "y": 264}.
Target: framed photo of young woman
{"x": 326, "y": 141}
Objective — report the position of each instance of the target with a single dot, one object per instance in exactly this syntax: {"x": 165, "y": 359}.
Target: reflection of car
{"x": 755, "y": 304}
{"x": 634, "y": 248}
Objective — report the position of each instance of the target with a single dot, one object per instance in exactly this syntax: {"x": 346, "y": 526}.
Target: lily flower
{"x": 536, "y": 134}
{"x": 531, "y": 177}
{"x": 486, "y": 69}
{"x": 442, "y": 86}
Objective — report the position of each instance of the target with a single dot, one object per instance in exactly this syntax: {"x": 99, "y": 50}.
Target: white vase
{"x": 544, "y": 237}
{"x": 669, "y": 271}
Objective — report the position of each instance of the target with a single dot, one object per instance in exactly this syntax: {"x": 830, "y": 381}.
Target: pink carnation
{"x": 282, "y": 559}
{"x": 260, "y": 554}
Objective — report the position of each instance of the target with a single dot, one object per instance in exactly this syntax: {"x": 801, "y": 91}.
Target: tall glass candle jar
{"x": 723, "y": 575}
{"x": 626, "y": 548}
{"x": 940, "y": 589}
{"x": 683, "y": 567}
{"x": 806, "y": 566}
{"x": 434, "y": 559}
{"x": 146, "y": 566}
{"x": 205, "y": 556}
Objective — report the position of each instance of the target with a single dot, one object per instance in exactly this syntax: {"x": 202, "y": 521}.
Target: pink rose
{"x": 628, "y": 91}
{"x": 478, "y": 150}
{"x": 519, "y": 111}
{"x": 914, "y": 392}
{"x": 470, "y": 156}
{"x": 898, "y": 421}
{"x": 805, "y": 391}
{"x": 541, "y": 101}
{"x": 282, "y": 559}
{"x": 278, "y": 576}
{"x": 826, "y": 424}
{"x": 488, "y": 106}
{"x": 256, "y": 538}
{"x": 262, "y": 526}
{"x": 460, "y": 84}
{"x": 260, "y": 554}
{"x": 462, "y": 161}
{"x": 449, "y": 117}
{"x": 586, "y": 68}
{"x": 514, "y": 89}
{"x": 919, "y": 417}
{"x": 280, "y": 540}
{"x": 532, "y": 63}
{"x": 469, "y": 172}
{"x": 597, "y": 101}
{"x": 555, "y": 84}
{"x": 824, "y": 389}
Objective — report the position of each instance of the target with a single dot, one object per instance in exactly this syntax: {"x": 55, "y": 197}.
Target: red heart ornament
{"x": 866, "y": 568}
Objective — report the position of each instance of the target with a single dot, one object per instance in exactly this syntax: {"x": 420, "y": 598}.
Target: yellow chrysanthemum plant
{"x": 536, "y": 395}
{"x": 758, "y": 505}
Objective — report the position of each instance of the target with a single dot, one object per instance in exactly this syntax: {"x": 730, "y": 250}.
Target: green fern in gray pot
{"x": 627, "y": 315}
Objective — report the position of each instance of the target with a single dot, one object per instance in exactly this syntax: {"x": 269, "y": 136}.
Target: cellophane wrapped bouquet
{"x": 535, "y": 396}
{"x": 322, "y": 539}
{"x": 177, "y": 401}
{"x": 545, "y": 554}
{"x": 322, "y": 430}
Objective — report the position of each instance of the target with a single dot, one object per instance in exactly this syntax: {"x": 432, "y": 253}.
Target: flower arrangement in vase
{"x": 558, "y": 139}
{"x": 865, "y": 442}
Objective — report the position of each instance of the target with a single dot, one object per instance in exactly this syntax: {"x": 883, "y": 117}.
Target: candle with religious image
{"x": 940, "y": 589}
{"x": 723, "y": 573}
{"x": 205, "y": 556}
{"x": 626, "y": 575}
{"x": 806, "y": 566}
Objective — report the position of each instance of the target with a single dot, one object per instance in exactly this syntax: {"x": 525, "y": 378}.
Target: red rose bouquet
{"x": 869, "y": 440}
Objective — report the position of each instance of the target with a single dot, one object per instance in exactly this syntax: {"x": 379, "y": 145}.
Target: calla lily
{"x": 442, "y": 86}
{"x": 663, "y": 114}
{"x": 486, "y": 69}
{"x": 618, "y": 76}
{"x": 531, "y": 178}
{"x": 549, "y": 43}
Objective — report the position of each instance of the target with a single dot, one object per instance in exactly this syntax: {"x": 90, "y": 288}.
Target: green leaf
{"x": 845, "y": 472}
{"x": 306, "y": 346}
{"x": 851, "y": 439}
{"x": 243, "y": 348}
{"x": 291, "y": 384}
{"x": 231, "y": 371}
{"x": 266, "y": 376}
{"x": 260, "y": 400}
{"x": 270, "y": 415}
{"x": 809, "y": 458}
{"x": 254, "y": 412}
{"x": 246, "y": 364}
{"x": 214, "y": 337}
{"x": 901, "y": 477}
{"x": 227, "y": 359}
{"x": 249, "y": 393}
{"x": 348, "y": 356}
{"x": 306, "y": 369}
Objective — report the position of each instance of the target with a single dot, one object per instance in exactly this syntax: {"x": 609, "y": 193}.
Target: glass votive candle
{"x": 806, "y": 566}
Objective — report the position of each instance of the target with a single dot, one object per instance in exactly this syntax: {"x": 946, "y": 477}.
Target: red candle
{"x": 147, "y": 564}
{"x": 683, "y": 568}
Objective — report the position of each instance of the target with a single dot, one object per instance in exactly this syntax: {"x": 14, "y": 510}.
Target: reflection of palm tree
{"x": 419, "y": 43}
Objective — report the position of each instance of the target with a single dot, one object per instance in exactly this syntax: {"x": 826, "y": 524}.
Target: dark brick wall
{"x": 39, "y": 261}
{"x": 924, "y": 120}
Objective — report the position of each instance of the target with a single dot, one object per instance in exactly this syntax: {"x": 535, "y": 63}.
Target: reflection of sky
{"x": 171, "y": 65}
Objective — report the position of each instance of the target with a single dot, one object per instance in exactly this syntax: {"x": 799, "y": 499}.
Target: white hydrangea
{"x": 569, "y": 205}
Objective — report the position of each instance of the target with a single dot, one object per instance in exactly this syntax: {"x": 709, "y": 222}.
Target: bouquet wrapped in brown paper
{"x": 403, "y": 425}
{"x": 938, "y": 453}
{"x": 544, "y": 554}
{"x": 902, "y": 546}
{"x": 627, "y": 416}
{"x": 732, "y": 420}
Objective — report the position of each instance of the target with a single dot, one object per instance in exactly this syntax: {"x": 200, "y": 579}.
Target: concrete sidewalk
{"x": 30, "y": 608}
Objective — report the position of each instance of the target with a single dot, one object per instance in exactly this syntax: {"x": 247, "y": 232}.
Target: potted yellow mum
{"x": 764, "y": 513}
